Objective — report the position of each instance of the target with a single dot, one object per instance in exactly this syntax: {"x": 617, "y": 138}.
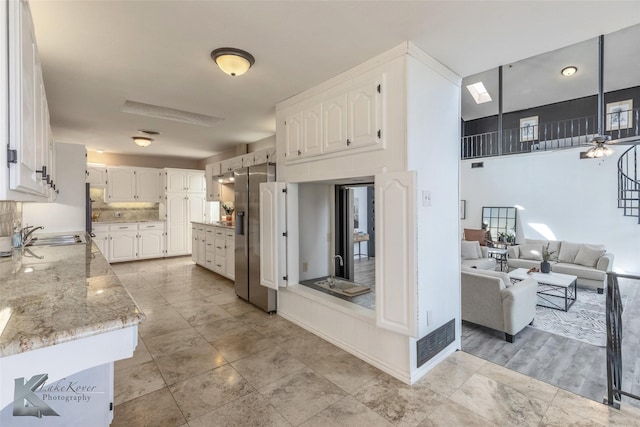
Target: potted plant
{"x": 545, "y": 267}
{"x": 228, "y": 210}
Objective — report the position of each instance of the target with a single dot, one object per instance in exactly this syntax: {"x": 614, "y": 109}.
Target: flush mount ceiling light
{"x": 232, "y": 61}
{"x": 142, "y": 141}
{"x": 569, "y": 71}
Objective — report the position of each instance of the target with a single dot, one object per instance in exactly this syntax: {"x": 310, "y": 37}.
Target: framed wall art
{"x": 619, "y": 115}
{"x": 529, "y": 129}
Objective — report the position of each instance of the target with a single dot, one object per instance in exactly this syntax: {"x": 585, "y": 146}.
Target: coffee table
{"x": 551, "y": 287}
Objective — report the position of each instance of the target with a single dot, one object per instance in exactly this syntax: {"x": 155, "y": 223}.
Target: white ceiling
{"x": 97, "y": 54}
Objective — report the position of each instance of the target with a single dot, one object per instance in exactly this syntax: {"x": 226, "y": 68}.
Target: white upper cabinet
{"x": 133, "y": 185}
{"x": 312, "y": 130}
{"x": 181, "y": 180}
{"x": 97, "y": 175}
{"x": 229, "y": 165}
{"x": 29, "y": 128}
{"x": 363, "y": 115}
{"x": 293, "y": 135}
{"x": 335, "y": 123}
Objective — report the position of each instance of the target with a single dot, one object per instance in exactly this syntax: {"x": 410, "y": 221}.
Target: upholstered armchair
{"x": 489, "y": 299}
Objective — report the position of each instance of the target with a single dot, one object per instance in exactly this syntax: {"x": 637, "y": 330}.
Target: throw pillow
{"x": 499, "y": 274}
{"x": 477, "y": 235}
{"x": 589, "y": 255}
{"x": 532, "y": 252}
{"x": 469, "y": 250}
{"x": 568, "y": 252}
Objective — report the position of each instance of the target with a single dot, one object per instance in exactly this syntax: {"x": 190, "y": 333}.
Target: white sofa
{"x": 589, "y": 263}
{"x": 476, "y": 256}
{"x": 489, "y": 299}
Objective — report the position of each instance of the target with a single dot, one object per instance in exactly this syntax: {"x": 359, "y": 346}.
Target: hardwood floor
{"x": 568, "y": 364}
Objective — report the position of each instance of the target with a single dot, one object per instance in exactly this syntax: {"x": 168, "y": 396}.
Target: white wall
{"x": 360, "y": 193}
{"x": 68, "y": 211}
{"x": 573, "y": 199}
{"x": 314, "y": 213}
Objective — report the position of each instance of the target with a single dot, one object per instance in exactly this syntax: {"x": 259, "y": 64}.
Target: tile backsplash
{"x": 10, "y": 217}
{"x": 117, "y": 212}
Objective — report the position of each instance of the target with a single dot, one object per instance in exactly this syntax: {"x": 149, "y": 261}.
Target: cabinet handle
{"x": 348, "y": 141}
{"x": 299, "y": 152}
{"x": 123, "y": 228}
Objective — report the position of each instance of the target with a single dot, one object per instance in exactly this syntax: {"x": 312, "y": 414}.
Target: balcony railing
{"x": 550, "y": 136}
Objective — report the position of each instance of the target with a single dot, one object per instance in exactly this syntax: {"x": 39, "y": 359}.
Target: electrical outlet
{"x": 118, "y": 214}
{"x": 305, "y": 267}
{"x": 426, "y": 198}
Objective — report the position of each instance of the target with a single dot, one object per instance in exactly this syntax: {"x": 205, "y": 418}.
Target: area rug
{"x": 585, "y": 321}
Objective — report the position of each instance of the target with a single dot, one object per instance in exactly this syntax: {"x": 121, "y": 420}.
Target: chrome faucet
{"x": 25, "y": 233}
{"x": 332, "y": 279}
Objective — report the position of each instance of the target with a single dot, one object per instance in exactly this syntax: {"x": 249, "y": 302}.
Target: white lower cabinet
{"x": 213, "y": 249}
{"x": 130, "y": 241}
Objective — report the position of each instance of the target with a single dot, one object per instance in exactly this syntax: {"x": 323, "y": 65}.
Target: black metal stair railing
{"x": 614, "y": 311}
{"x": 629, "y": 183}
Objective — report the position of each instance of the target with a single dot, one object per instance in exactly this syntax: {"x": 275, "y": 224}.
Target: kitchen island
{"x": 65, "y": 317}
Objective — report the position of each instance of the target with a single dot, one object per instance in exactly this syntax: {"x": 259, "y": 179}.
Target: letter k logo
{"x": 24, "y": 392}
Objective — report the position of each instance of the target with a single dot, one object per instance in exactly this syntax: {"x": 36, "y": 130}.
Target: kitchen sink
{"x": 343, "y": 287}
{"x": 60, "y": 240}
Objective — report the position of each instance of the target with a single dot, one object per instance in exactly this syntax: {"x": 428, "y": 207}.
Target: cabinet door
{"x": 148, "y": 185}
{"x": 260, "y": 157}
{"x": 396, "y": 305}
{"x": 121, "y": 185}
{"x": 196, "y": 203}
{"x": 150, "y": 244}
{"x": 176, "y": 180}
{"x": 293, "y": 136}
{"x": 334, "y": 114}
{"x": 123, "y": 245}
{"x": 177, "y": 224}
{"x": 213, "y": 186}
{"x": 23, "y": 111}
{"x": 195, "y": 237}
{"x": 196, "y": 182}
{"x": 363, "y": 106}
{"x": 102, "y": 242}
{"x": 312, "y": 131}
{"x": 202, "y": 249}
{"x": 248, "y": 160}
{"x": 97, "y": 176}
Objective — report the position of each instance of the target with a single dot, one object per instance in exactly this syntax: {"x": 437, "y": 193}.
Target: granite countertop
{"x": 53, "y": 294}
{"x": 215, "y": 224}
{"x": 119, "y": 221}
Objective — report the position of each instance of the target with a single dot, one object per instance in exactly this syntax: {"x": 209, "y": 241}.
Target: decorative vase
{"x": 545, "y": 267}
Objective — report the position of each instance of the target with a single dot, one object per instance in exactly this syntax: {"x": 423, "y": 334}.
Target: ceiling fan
{"x": 600, "y": 143}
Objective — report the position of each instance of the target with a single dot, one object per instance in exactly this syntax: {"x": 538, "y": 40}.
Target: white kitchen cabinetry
{"x": 150, "y": 240}
{"x": 220, "y": 264}
{"x": 133, "y": 185}
{"x": 214, "y": 249}
{"x": 31, "y": 175}
{"x": 293, "y": 135}
{"x": 123, "y": 239}
{"x": 229, "y": 165}
{"x": 210, "y": 253}
{"x": 181, "y": 207}
{"x": 101, "y": 239}
{"x": 96, "y": 175}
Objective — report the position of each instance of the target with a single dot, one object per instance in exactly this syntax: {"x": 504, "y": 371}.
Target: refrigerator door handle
{"x": 240, "y": 223}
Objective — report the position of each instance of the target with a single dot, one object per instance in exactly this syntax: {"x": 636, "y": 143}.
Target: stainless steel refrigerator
{"x": 247, "y": 208}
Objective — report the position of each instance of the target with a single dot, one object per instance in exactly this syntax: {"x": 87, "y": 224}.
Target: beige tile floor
{"x": 207, "y": 358}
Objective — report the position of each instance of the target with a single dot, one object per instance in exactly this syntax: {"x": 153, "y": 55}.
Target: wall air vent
{"x": 477, "y": 165}
{"x": 432, "y": 344}
{"x": 159, "y": 112}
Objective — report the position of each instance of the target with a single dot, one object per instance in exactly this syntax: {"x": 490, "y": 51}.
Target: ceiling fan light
{"x": 142, "y": 141}
{"x": 232, "y": 61}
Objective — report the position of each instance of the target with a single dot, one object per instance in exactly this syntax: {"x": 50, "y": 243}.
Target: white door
{"x": 196, "y": 206}
{"x": 177, "y": 223}
{"x": 312, "y": 131}
{"x": 196, "y": 182}
{"x": 123, "y": 245}
{"x": 396, "y": 303}
{"x": 148, "y": 185}
{"x": 278, "y": 234}
{"x": 293, "y": 136}
{"x": 176, "y": 180}
{"x": 362, "y": 114}
{"x": 334, "y": 115}
{"x": 150, "y": 244}
{"x": 121, "y": 185}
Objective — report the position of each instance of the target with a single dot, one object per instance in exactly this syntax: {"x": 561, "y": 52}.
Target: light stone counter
{"x": 56, "y": 294}
{"x": 215, "y": 224}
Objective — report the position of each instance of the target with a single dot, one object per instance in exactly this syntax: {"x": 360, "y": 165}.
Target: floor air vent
{"x": 432, "y": 344}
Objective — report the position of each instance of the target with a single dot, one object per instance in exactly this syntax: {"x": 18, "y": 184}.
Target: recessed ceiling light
{"x": 569, "y": 71}
{"x": 479, "y": 93}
